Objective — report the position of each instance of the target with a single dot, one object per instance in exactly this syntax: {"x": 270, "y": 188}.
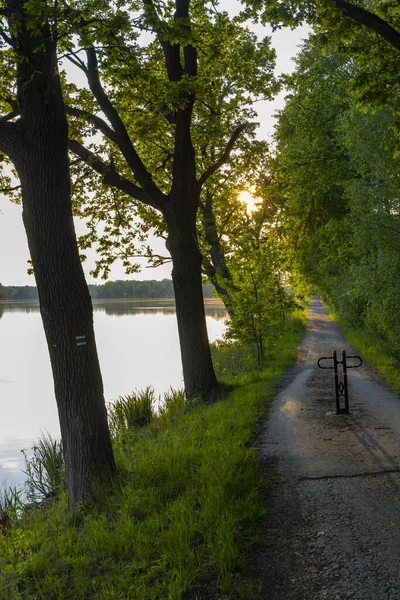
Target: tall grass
{"x": 179, "y": 518}
{"x": 134, "y": 410}
{"x": 45, "y": 469}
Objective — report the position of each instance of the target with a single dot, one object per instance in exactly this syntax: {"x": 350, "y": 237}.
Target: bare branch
{"x": 6, "y": 38}
{"x": 224, "y": 157}
{"x": 11, "y": 139}
{"x": 164, "y": 259}
{"x": 76, "y": 61}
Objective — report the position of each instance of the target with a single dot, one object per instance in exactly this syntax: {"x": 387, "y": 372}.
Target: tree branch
{"x": 97, "y": 122}
{"x": 189, "y": 51}
{"x": 369, "y": 19}
{"x": 224, "y": 157}
{"x": 109, "y": 175}
{"x": 154, "y": 196}
{"x": 11, "y": 115}
{"x": 11, "y": 139}
{"x": 75, "y": 61}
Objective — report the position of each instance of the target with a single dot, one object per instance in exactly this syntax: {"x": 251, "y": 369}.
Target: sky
{"x": 14, "y": 253}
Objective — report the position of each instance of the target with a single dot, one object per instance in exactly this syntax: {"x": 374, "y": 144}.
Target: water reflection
{"x": 21, "y": 306}
{"x": 138, "y": 345}
{"x": 119, "y": 307}
{"x": 12, "y": 462}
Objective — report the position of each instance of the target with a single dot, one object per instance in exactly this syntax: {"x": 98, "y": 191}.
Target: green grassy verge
{"x": 178, "y": 521}
{"x": 373, "y": 349}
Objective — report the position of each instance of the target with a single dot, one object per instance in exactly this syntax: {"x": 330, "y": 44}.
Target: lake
{"x": 137, "y": 342}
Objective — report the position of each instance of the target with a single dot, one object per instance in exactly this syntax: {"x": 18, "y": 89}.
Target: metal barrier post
{"x": 346, "y": 390}
{"x": 341, "y": 387}
{"x": 336, "y": 375}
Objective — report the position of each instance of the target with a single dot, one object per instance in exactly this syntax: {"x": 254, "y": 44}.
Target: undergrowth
{"x": 373, "y": 348}
{"x": 181, "y": 514}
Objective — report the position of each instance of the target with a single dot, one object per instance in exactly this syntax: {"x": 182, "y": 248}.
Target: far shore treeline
{"x": 111, "y": 289}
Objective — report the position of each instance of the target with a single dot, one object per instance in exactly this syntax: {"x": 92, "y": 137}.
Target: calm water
{"x": 137, "y": 343}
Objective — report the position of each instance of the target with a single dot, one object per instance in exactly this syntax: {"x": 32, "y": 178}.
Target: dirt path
{"x": 332, "y": 528}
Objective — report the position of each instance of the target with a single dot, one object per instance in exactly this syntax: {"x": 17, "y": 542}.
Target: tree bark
{"x": 40, "y": 155}
{"x": 198, "y": 371}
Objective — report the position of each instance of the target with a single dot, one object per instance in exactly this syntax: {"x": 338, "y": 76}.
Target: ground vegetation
{"x": 183, "y": 513}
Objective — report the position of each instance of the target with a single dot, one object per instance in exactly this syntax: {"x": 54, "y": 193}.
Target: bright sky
{"x": 14, "y": 252}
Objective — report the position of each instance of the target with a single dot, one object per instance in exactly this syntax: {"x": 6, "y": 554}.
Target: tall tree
{"x": 337, "y": 175}
{"x": 34, "y": 135}
{"x": 174, "y": 109}
{"x": 379, "y": 16}
{"x": 366, "y": 32}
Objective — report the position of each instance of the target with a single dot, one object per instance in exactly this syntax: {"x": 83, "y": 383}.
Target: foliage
{"x": 258, "y": 301}
{"x": 19, "y": 292}
{"x": 337, "y": 177}
{"x": 223, "y": 216}
{"x": 367, "y": 33}
{"x": 374, "y": 348}
{"x": 239, "y": 364}
{"x": 178, "y": 522}
{"x": 140, "y": 87}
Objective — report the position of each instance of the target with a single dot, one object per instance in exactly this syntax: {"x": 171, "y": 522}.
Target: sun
{"x": 249, "y": 200}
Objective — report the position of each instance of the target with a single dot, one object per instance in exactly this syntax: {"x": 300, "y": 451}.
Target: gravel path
{"x": 332, "y": 527}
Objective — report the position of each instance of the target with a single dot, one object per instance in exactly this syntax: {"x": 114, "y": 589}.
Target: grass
{"x": 373, "y": 349}
{"x": 44, "y": 469}
{"x": 178, "y": 520}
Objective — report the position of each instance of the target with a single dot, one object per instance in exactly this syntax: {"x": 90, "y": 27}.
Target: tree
{"x": 34, "y": 135}
{"x": 366, "y": 32}
{"x": 337, "y": 176}
{"x": 382, "y": 19}
{"x": 223, "y": 215}
{"x": 174, "y": 111}
{"x": 311, "y": 168}
{"x": 260, "y": 303}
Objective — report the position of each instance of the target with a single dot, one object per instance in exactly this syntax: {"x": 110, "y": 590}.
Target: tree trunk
{"x": 40, "y": 155}
{"x": 198, "y": 371}
{"x": 215, "y": 266}
{"x": 66, "y": 311}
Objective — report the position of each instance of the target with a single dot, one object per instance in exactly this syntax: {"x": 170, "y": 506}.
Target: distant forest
{"x": 110, "y": 289}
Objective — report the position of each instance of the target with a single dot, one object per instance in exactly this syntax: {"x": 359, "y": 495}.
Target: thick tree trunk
{"x": 40, "y": 154}
{"x": 66, "y": 312}
{"x": 198, "y": 371}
